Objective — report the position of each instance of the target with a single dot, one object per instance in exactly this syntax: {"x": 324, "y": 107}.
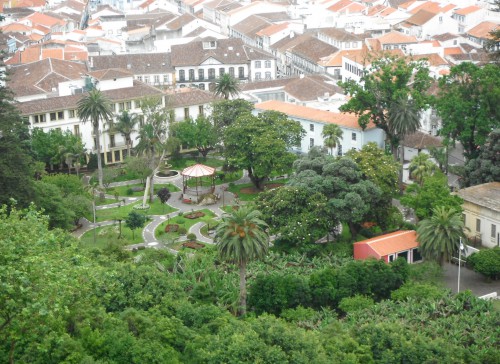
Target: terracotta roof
{"x": 429, "y": 6}
{"x": 109, "y": 74}
{"x": 180, "y": 21}
{"x": 189, "y": 96}
{"x": 340, "y": 34}
{"x": 482, "y": 30}
{"x": 407, "y": 4}
{"x": 392, "y": 243}
{"x": 140, "y": 63}
{"x": 433, "y": 59}
{"x": 394, "y": 37}
{"x": 468, "y": 10}
{"x": 44, "y": 19}
{"x": 419, "y": 140}
{"x": 198, "y": 170}
{"x": 272, "y": 29}
{"x": 313, "y": 49}
{"x": 251, "y": 25}
{"x": 445, "y": 36}
{"x": 339, "y": 5}
{"x": 486, "y": 194}
{"x": 346, "y": 120}
{"x": 452, "y": 50}
{"x": 421, "y": 17}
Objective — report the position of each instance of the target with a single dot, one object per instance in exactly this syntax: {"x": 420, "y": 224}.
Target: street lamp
{"x": 459, "y": 263}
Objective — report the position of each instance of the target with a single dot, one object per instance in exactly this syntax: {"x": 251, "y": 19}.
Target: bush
{"x": 486, "y": 262}
{"x": 129, "y": 192}
{"x": 355, "y": 303}
{"x": 417, "y": 291}
{"x": 191, "y": 237}
{"x": 180, "y": 220}
{"x": 182, "y": 230}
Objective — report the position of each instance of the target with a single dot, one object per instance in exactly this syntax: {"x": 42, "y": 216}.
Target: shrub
{"x": 355, "y": 303}
{"x": 417, "y": 291}
{"x": 129, "y": 192}
{"x": 191, "y": 237}
{"x": 182, "y": 230}
{"x": 486, "y": 262}
{"x": 180, "y": 220}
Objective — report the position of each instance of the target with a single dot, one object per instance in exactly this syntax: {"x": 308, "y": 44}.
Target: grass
{"x": 183, "y": 222}
{"x": 496, "y": 305}
{"x": 244, "y": 196}
{"x": 108, "y": 234}
{"x": 105, "y": 201}
{"x": 122, "y": 190}
{"x": 115, "y": 213}
{"x": 181, "y": 163}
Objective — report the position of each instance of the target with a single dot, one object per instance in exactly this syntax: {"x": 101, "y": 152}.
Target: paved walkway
{"x": 175, "y": 201}
{"x": 469, "y": 280}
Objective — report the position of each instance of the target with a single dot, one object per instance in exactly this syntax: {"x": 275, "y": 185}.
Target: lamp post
{"x": 459, "y": 263}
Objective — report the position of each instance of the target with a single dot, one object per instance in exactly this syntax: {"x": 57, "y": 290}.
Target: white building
{"x": 313, "y": 121}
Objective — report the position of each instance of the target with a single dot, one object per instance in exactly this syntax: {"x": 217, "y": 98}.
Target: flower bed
{"x": 194, "y": 215}
{"x": 187, "y": 200}
{"x": 193, "y": 245}
{"x": 172, "y": 228}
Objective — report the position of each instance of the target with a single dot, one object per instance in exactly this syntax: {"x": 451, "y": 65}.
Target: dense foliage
{"x": 486, "y": 262}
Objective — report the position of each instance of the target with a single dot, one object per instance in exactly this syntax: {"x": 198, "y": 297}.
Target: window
{"x": 221, "y": 71}
{"x": 202, "y": 86}
{"x": 182, "y": 75}
{"x": 121, "y": 106}
{"x": 354, "y": 44}
{"x": 60, "y": 115}
{"x": 339, "y": 150}
{"x": 112, "y": 143}
{"x": 311, "y": 142}
{"x": 191, "y": 75}
{"x": 311, "y": 127}
{"x": 391, "y": 258}
{"x": 39, "y": 118}
{"x": 146, "y": 79}
{"x": 128, "y": 105}
{"x": 201, "y": 74}
{"x": 241, "y": 72}
{"x": 231, "y": 71}
{"x": 76, "y": 130}
{"x": 268, "y": 64}
{"x": 157, "y": 79}
{"x": 257, "y": 64}
{"x": 186, "y": 112}
{"x": 268, "y": 75}
{"x": 72, "y": 113}
{"x": 139, "y": 78}
{"x": 353, "y": 136}
{"x": 478, "y": 225}
{"x": 165, "y": 78}
{"x": 464, "y": 219}
{"x": 200, "y": 109}
{"x": 348, "y": 45}
{"x": 258, "y": 76}
{"x": 53, "y": 116}
{"x": 211, "y": 73}
{"x": 493, "y": 230}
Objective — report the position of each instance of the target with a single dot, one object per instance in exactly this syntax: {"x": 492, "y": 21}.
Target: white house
{"x": 425, "y": 24}
{"x": 313, "y": 121}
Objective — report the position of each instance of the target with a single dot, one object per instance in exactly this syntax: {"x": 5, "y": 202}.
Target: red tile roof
{"x": 303, "y": 112}
{"x": 468, "y": 10}
{"x": 392, "y": 243}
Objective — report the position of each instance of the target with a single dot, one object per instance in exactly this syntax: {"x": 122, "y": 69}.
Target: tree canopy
{"x": 200, "y": 134}
{"x": 261, "y": 144}
{"x": 467, "y": 103}
{"x": 486, "y": 167}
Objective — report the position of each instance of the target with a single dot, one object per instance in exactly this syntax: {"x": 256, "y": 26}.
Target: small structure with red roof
{"x": 204, "y": 182}
{"x": 389, "y": 247}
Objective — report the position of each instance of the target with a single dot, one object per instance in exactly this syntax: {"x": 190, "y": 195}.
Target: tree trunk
{"x": 98, "y": 147}
{"x": 401, "y": 171}
{"x": 258, "y": 182}
{"x": 242, "y": 309}
{"x": 354, "y": 231}
{"x": 11, "y": 351}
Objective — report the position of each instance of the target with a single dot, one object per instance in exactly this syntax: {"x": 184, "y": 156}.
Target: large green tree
{"x": 332, "y": 134}
{"x": 260, "y": 144}
{"x": 226, "y": 86}
{"x": 467, "y": 103}
{"x": 434, "y": 191}
{"x": 421, "y": 166}
{"x": 486, "y": 167}
{"x": 95, "y": 107}
{"x": 200, "y": 134}
{"x": 390, "y": 91}
{"x": 225, "y": 112}
{"x": 439, "y": 236}
{"x": 242, "y": 237}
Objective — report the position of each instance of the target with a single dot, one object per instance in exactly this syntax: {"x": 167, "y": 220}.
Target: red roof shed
{"x": 389, "y": 247}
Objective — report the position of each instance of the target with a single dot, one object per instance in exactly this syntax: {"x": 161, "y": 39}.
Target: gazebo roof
{"x": 198, "y": 170}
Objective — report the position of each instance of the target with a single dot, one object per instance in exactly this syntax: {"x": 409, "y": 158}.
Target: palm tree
{"x": 242, "y": 237}
{"x": 439, "y": 236}
{"x": 226, "y": 85}
{"x": 93, "y": 107}
{"x": 332, "y": 134}
{"x": 403, "y": 119}
{"x": 421, "y": 166}
{"x": 125, "y": 126}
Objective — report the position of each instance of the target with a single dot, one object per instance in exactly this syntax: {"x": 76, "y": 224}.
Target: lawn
{"x": 123, "y": 190}
{"x": 182, "y": 222}
{"x": 105, "y": 201}
{"x": 247, "y": 192}
{"x": 115, "y": 213}
{"x": 181, "y": 163}
{"x": 107, "y": 234}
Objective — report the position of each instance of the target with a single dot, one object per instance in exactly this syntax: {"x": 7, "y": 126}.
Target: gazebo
{"x": 204, "y": 177}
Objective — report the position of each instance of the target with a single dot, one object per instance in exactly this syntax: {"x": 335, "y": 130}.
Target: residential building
{"x": 425, "y": 24}
{"x": 468, "y": 17}
{"x": 481, "y": 213}
{"x": 200, "y": 63}
{"x": 480, "y": 34}
{"x": 313, "y": 121}
{"x": 389, "y": 247}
